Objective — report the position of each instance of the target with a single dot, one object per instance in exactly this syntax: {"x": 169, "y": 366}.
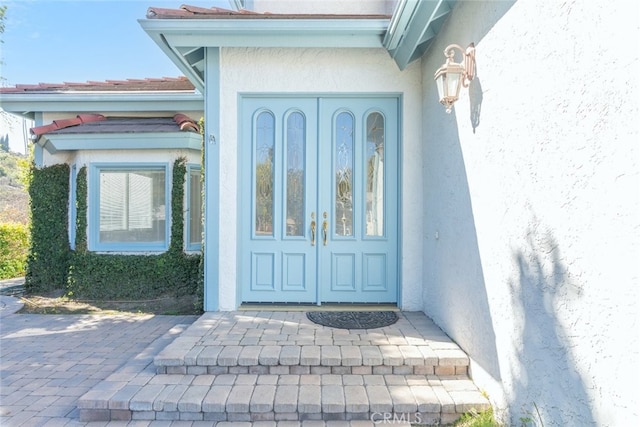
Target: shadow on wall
{"x": 547, "y": 381}
{"x": 475, "y": 101}
{"x": 455, "y": 292}
{"x": 455, "y": 296}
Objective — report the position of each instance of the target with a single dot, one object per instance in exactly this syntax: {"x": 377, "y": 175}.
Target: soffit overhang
{"x": 413, "y": 27}
{"x": 55, "y": 143}
{"x": 185, "y": 40}
{"x": 407, "y": 36}
{"x": 28, "y": 104}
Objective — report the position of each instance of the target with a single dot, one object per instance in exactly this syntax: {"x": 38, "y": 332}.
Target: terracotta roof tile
{"x": 129, "y": 85}
{"x": 65, "y": 123}
{"x": 97, "y": 123}
{"x": 195, "y": 12}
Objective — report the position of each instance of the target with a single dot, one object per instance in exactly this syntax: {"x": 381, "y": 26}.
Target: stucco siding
{"x": 318, "y": 72}
{"x": 531, "y": 210}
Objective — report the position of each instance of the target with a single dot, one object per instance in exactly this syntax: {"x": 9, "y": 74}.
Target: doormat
{"x": 353, "y": 319}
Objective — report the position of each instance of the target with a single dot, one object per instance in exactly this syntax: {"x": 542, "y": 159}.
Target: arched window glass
{"x": 295, "y": 146}
{"x": 343, "y": 174}
{"x": 374, "y": 211}
{"x": 264, "y": 176}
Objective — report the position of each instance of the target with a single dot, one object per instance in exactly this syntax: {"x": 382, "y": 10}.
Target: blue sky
{"x": 54, "y": 41}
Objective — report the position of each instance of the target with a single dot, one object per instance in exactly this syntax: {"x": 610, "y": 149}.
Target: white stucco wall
{"x": 532, "y": 188}
{"x": 318, "y": 71}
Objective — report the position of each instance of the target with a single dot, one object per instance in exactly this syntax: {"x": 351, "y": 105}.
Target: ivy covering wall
{"x": 49, "y": 253}
{"x": 90, "y": 275}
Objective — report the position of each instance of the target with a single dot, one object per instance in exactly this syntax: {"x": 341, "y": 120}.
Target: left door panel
{"x": 278, "y": 172}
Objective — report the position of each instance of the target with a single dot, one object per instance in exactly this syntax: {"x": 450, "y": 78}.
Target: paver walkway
{"x": 48, "y": 361}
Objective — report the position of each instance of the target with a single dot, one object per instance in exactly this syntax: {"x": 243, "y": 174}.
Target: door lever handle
{"x": 325, "y": 227}
{"x": 313, "y": 229}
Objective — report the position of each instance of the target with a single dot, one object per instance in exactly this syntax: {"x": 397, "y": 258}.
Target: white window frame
{"x": 94, "y": 208}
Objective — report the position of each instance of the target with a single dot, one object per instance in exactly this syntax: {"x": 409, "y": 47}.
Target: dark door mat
{"x": 353, "y": 319}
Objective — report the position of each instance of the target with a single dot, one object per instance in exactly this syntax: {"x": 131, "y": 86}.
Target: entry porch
{"x": 278, "y": 365}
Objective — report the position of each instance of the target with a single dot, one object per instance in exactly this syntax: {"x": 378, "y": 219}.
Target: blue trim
{"x": 121, "y": 141}
{"x": 38, "y": 153}
{"x": 94, "y": 208}
{"x": 212, "y": 181}
{"x": 414, "y": 26}
{"x": 399, "y": 188}
{"x": 31, "y": 104}
{"x": 237, "y": 4}
{"x": 187, "y": 220}
{"x": 72, "y": 206}
{"x": 179, "y": 38}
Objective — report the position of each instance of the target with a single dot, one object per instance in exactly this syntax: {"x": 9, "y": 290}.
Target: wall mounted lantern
{"x": 452, "y": 75}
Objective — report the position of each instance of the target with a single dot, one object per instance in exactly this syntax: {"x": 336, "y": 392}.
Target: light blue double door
{"x": 319, "y": 200}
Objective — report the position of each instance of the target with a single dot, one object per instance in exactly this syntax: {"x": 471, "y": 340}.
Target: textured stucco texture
{"x": 532, "y": 223}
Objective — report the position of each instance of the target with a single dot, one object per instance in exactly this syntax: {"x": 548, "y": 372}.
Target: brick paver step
{"x": 288, "y": 343}
{"x": 266, "y": 397}
{"x": 278, "y": 366}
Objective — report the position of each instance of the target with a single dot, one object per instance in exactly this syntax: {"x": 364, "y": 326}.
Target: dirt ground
{"x": 56, "y": 303}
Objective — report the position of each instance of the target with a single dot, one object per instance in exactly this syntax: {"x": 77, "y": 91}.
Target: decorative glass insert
{"x": 264, "y": 185}
{"x": 374, "y": 211}
{"x": 343, "y": 175}
{"x": 295, "y": 148}
{"x": 132, "y": 206}
{"x": 194, "y": 232}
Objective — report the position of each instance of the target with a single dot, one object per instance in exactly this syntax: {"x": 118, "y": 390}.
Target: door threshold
{"x": 314, "y": 307}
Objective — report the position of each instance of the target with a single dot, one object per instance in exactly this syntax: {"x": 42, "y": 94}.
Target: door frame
{"x": 243, "y": 185}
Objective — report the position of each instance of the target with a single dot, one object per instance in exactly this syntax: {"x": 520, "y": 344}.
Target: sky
{"x": 55, "y": 41}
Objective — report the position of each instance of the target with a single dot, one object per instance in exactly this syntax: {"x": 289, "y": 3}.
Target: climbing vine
{"x": 49, "y": 253}
{"x": 117, "y": 276}
{"x": 88, "y": 275}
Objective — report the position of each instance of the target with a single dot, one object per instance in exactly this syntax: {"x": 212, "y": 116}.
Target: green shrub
{"x": 131, "y": 277}
{"x": 49, "y": 253}
{"x": 14, "y": 246}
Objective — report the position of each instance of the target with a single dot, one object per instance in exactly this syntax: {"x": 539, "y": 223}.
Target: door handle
{"x": 325, "y": 226}
{"x": 313, "y": 229}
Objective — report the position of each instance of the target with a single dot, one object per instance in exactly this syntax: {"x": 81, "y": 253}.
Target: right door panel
{"x": 358, "y": 198}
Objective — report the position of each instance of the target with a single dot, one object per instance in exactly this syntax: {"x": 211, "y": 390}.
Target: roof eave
{"x": 26, "y": 104}
{"x": 183, "y": 39}
{"x": 413, "y": 27}
{"x": 54, "y": 143}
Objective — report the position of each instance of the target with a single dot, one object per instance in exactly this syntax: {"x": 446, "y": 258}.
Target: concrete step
{"x": 423, "y": 399}
{"x": 281, "y": 343}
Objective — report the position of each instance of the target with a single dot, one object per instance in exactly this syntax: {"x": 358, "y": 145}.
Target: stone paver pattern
{"x": 288, "y": 343}
{"x": 48, "y": 361}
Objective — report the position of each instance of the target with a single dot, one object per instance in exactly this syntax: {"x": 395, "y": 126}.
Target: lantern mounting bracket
{"x": 451, "y": 76}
